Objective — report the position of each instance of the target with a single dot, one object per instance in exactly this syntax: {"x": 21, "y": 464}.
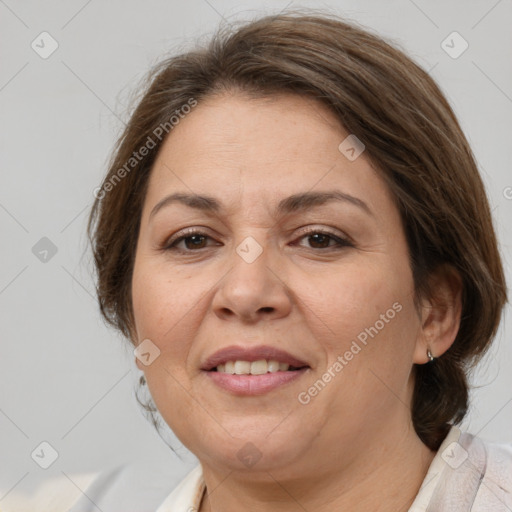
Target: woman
{"x": 294, "y": 236}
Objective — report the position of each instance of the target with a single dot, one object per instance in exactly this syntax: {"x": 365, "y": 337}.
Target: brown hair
{"x": 410, "y": 133}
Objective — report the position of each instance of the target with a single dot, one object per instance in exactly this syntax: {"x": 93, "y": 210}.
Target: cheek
{"x": 354, "y": 298}
{"x": 369, "y": 310}
{"x": 169, "y": 307}
{"x": 160, "y": 300}
{"x": 164, "y": 313}
{"x": 370, "y": 349}
{"x": 150, "y": 301}
{"x": 159, "y": 314}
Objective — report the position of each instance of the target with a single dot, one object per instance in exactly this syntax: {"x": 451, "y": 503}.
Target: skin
{"x": 353, "y": 446}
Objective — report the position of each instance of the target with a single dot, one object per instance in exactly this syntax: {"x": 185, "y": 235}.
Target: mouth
{"x": 252, "y": 361}
{"x": 253, "y": 371}
{"x": 260, "y": 367}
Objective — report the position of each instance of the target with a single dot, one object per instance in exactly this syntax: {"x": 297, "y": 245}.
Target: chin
{"x": 247, "y": 449}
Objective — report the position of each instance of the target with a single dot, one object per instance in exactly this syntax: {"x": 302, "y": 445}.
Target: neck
{"x": 386, "y": 477}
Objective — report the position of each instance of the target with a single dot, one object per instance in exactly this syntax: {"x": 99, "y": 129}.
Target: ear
{"x": 139, "y": 364}
{"x": 134, "y": 341}
{"x": 440, "y": 314}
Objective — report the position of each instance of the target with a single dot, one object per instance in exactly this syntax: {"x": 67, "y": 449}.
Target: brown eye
{"x": 194, "y": 241}
{"x": 323, "y": 240}
{"x": 188, "y": 242}
{"x": 319, "y": 240}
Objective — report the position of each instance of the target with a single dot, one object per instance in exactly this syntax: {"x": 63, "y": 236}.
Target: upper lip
{"x": 237, "y": 353}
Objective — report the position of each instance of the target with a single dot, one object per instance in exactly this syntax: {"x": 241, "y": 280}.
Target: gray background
{"x": 65, "y": 377}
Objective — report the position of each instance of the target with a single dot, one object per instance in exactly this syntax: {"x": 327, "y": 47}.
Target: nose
{"x": 252, "y": 291}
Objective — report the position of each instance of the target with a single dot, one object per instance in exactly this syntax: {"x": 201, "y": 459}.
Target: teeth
{"x": 255, "y": 368}
{"x": 259, "y": 367}
{"x": 273, "y": 366}
{"x": 242, "y": 367}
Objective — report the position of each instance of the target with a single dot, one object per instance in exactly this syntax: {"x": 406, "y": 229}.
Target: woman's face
{"x": 297, "y": 254}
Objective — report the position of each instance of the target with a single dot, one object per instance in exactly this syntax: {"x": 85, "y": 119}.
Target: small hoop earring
{"x": 429, "y": 355}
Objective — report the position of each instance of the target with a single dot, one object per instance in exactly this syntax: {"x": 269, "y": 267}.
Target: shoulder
{"x": 187, "y": 495}
{"x": 132, "y": 486}
{"x": 467, "y": 473}
{"x": 480, "y": 473}
{"x": 56, "y": 492}
{"x": 497, "y": 481}
{"x": 135, "y": 486}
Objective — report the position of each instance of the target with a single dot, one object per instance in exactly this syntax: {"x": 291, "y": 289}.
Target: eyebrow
{"x": 291, "y": 204}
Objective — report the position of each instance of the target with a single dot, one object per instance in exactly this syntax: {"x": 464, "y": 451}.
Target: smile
{"x": 244, "y": 370}
{"x": 254, "y": 368}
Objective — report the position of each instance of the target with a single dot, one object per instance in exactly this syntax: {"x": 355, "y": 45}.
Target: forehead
{"x": 261, "y": 147}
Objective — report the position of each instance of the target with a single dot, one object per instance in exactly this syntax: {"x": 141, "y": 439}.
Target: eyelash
{"x": 340, "y": 242}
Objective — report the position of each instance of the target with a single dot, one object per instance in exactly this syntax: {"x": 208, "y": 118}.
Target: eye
{"x": 321, "y": 239}
{"x": 192, "y": 240}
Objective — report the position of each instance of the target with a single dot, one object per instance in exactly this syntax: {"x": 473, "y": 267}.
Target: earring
{"x": 429, "y": 355}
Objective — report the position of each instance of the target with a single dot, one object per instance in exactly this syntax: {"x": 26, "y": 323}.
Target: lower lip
{"x": 254, "y": 384}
